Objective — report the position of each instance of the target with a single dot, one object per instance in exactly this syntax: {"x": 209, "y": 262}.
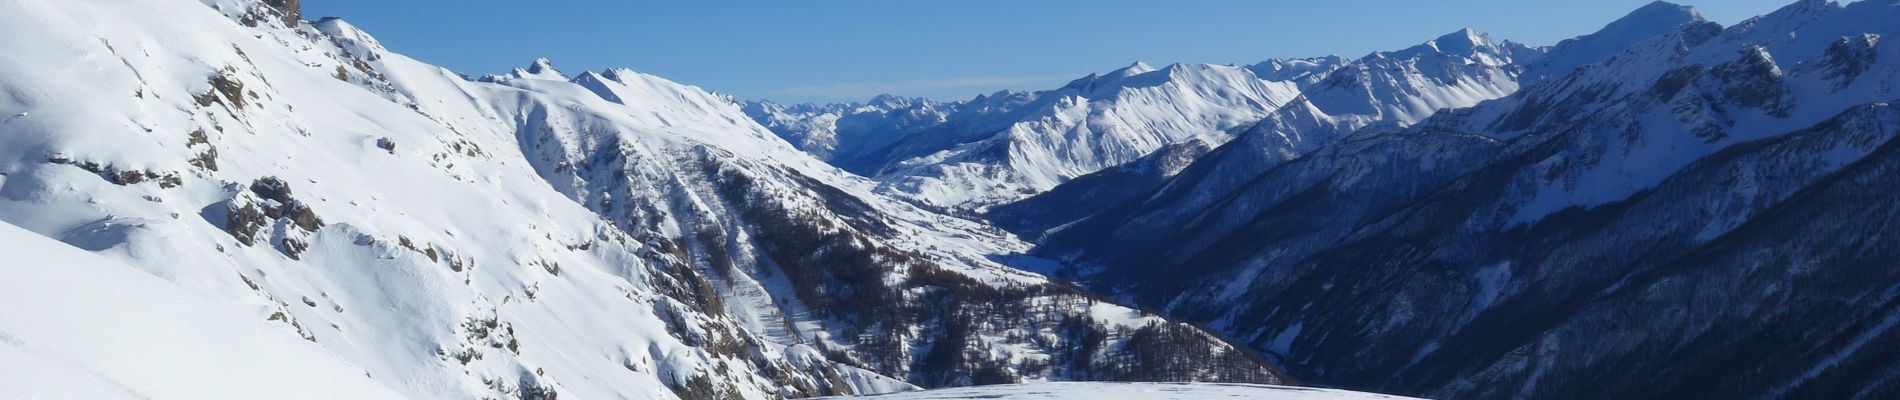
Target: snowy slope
{"x": 262, "y": 167}
{"x": 596, "y": 234}
{"x": 1129, "y": 391}
{"x": 86, "y": 326}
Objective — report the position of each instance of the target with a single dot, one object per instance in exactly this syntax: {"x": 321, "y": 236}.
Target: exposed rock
{"x": 1849, "y": 57}
{"x": 292, "y": 10}
{"x": 166, "y": 180}
{"x": 267, "y": 208}
{"x": 1754, "y": 81}
{"x": 206, "y": 159}
{"x": 226, "y": 89}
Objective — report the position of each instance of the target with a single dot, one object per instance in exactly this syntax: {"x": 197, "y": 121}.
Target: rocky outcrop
{"x": 292, "y": 10}
{"x": 265, "y": 212}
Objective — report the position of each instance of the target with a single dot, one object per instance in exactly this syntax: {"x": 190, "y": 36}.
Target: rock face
{"x": 266, "y": 210}
{"x": 1699, "y": 215}
{"x": 292, "y": 10}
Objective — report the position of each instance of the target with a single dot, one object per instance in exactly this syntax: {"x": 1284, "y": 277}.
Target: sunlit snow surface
{"x": 82, "y": 326}
{"x": 1128, "y": 391}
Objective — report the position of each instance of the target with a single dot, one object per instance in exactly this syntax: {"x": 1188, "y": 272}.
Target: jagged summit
{"x": 541, "y": 68}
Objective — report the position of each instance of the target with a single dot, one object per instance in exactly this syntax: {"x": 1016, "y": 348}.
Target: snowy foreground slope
{"x": 1128, "y": 391}
{"x": 82, "y": 326}
{"x": 598, "y": 235}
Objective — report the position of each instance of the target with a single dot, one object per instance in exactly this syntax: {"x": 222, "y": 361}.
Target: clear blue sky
{"x": 840, "y": 50}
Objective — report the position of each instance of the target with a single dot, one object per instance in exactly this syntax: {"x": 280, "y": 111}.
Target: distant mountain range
{"x": 1666, "y": 208}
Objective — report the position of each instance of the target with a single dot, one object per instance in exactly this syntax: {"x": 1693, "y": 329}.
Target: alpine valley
{"x": 224, "y": 199}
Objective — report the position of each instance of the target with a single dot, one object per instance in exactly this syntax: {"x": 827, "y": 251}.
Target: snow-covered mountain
{"x": 1656, "y": 19}
{"x": 1034, "y": 141}
{"x": 1356, "y": 109}
{"x": 594, "y": 234}
{"x": 1009, "y": 146}
{"x": 1699, "y": 214}
{"x": 846, "y": 131}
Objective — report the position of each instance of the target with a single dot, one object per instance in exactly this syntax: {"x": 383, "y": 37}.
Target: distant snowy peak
{"x": 1661, "y": 13}
{"x": 1456, "y": 70}
{"x": 839, "y": 129}
{"x": 541, "y": 69}
{"x": 1137, "y": 68}
{"x": 1656, "y": 19}
{"x": 1468, "y": 44}
{"x": 1303, "y": 71}
{"x": 1139, "y": 74}
{"x": 1096, "y": 122}
{"x": 892, "y": 102}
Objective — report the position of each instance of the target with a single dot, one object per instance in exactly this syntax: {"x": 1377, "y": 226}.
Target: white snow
{"x": 82, "y": 326}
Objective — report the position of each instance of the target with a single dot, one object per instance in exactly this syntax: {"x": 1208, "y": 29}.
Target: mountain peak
{"x": 891, "y": 102}
{"x": 1464, "y": 41}
{"x": 1662, "y": 6}
{"x": 1649, "y": 21}
{"x": 1089, "y": 82}
{"x": 1656, "y": 14}
{"x": 541, "y": 66}
{"x": 1137, "y": 68}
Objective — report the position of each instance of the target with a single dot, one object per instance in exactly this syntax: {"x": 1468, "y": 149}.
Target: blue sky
{"x": 840, "y": 50}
